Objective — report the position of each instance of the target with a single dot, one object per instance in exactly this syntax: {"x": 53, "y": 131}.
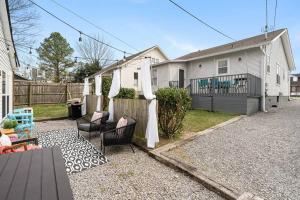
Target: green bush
{"x": 8, "y": 124}
{"x": 172, "y": 106}
{"x": 106, "y": 83}
{"x": 126, "y": 93}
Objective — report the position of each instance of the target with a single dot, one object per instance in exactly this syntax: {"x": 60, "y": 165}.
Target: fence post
{"x": 66, "y": 92}
{"x": 29, "y": 94}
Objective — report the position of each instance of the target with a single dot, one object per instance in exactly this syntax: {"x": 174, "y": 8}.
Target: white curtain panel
{"x": 98, "y": 90}
{"x": 85, "y": 93}
{"x": 152, "y": 128}
{"x": 114, "y": 91}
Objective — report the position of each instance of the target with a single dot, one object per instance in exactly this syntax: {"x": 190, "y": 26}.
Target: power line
{"x": 93, "y": 24}
{"x": 76, "y": 29}
{"x": 203, "y": 22}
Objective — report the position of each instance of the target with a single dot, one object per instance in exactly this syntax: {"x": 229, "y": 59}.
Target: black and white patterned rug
{"x": 78, "y": 153}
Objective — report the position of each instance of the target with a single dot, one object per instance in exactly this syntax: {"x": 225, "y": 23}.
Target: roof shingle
{"x": 230, "y": 46}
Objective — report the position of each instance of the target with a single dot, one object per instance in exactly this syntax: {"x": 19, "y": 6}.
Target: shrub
{"x": 172, "y": 106}
{"x": 7, "y": 124}
{"x": 106, "y": 83}
{"x": 126, "y": 93}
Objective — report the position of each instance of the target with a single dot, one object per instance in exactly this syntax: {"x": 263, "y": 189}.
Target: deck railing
{"x": 235, "y": 85}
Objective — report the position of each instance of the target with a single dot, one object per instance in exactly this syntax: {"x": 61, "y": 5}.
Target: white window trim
{"x": 137, "y": 80}
{"x": 156, "y": 75}
{"x": 228, "y": 66}
{"x": 278, "y": 67}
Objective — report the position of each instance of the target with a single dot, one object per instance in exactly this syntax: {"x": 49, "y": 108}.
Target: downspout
{"x": 263, "y": 48}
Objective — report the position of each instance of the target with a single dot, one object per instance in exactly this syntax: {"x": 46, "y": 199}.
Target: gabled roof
{"x": 252, "y": 42}
{"x": 298, "y": 75}
{"x": 127, "y": 59}
{"x": 245, "y": 43}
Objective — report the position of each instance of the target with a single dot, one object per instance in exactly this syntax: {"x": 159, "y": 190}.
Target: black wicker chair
{"x": 85, "y": 124}
{"x": 118, "y": 136}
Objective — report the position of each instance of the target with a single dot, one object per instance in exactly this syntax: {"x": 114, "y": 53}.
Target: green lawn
{"x": 45, "y": 111}
{"x": 198, "y": 120}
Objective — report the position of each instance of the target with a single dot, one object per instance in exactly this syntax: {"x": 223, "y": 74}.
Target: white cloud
{"x": 183, "y": 46}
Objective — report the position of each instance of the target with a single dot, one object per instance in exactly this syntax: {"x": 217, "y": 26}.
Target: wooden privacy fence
{"x": 31, "y": 93}
{"x": 135, "y": 108}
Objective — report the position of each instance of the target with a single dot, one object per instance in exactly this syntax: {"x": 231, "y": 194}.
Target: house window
{"x": 277, "y": 73}
{"x": 295, "y": 78}
{"x": 157, "y": 60}
{"x": 5, "y": 96}
{"x": 268, "y": 68}
{"x": 223, "y": 66}
{"x": 152, "y": 61}
{"x": 154, "y": 77}
{"x": 136, "y": 79}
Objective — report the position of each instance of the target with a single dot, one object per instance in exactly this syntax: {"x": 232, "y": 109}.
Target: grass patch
{"x": 194, "y": 121}
{"x": 199, "y": 120}
{"x": 48, "y": 111}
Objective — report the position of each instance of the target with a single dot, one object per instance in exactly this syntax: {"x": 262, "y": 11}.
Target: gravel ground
{"x": 130, "y": 176}
{"x": 258, "y": 154}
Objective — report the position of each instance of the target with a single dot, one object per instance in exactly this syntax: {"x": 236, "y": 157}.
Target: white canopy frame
{"x": 85, "y": 93}
{"x": 114, "y": 91}
{"x": 98, "y": 90}
{"x": 152, "y": 127}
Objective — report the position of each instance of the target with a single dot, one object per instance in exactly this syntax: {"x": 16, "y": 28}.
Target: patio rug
{"x": 79, "y": 154}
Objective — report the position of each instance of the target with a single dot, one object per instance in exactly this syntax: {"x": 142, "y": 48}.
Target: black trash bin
{"x": 75, "y": 110}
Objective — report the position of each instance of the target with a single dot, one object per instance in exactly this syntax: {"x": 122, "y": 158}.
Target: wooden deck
{"x": 34, "y": 175}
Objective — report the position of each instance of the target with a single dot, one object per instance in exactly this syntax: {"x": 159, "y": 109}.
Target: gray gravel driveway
{"x": 258, "y": 154}
{"x": 130, "y": 175}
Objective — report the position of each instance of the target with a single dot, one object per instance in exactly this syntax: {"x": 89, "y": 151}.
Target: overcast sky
{"x": 144, "y": 23}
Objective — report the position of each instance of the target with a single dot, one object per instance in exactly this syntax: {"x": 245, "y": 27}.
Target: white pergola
{"x": 152, "y": 127}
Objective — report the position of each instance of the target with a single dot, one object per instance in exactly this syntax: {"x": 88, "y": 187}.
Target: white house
{"x": 8, "y": 61}
{"x": 241, "y": 77}
{"x": 130, "y": 67}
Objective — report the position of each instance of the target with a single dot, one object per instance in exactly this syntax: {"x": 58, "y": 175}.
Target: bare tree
{"x": 24, "y": 20}
{"x": 95, "y": 53}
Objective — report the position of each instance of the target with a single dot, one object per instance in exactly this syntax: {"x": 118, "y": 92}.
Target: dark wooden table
{"x": 34, "y": 175}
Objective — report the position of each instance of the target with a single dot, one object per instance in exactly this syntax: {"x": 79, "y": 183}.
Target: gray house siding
{"x": 230, "y": 104}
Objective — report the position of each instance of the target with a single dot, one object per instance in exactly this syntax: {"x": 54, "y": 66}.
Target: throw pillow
{"x": 122, "y": 122}
{"x": 96, "y": 116}
{"x": 4, "y": 140}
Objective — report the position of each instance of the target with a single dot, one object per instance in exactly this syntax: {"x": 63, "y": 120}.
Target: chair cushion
{"x": 21, "y": 149}
{"x": 4, "y": 140}
{"x": 84, "y": 127}
{"x": 96, "y": 116}
{"x": 13, "y": 137}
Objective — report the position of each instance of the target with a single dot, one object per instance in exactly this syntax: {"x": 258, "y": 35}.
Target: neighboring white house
{"x": 130, "y": 67}
{"x": 257, "y": 67}
{"x": 8, "y": 61}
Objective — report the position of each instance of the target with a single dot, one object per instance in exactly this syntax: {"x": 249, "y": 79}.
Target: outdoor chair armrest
{"x": 15, "y": 147}
{"x": 109, "y": 126}
{"x": 34, "y": 139}
{"x": 114, "y": 130}
{"x": 83, "y": 119}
